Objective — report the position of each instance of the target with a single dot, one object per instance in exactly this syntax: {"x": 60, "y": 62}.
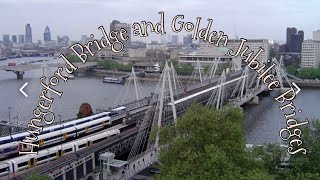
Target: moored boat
{"x": 70, "y": 76}
{"x": 2, "y": 58}
{"x": 113, "y": 80}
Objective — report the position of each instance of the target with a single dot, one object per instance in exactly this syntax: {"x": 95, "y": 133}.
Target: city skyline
{"x": 248, "y": 19}
{"x": 172, "y": 35}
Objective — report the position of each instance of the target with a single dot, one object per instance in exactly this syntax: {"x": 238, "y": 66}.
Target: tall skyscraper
{"x": 163, "y": 39}
{"x": 47, "y": 34}
{"x": 6, "y": 39}
{"x": 316, "y": 35}
{"x": 294, "y": 40}
{"x": 84, "y": 38}
{"x": 298, "y": 45}
{"x": 169, "y": 38}
{"x": 21, "y": 39}
{"x": 14, "y": 39}
{"x": 64, "y": 40}
{"x": 175, "y": 39}
{"x": 187, "y": 39}
{"x": 28, "y": 36}
{"x": 290, "y": 32}
{"x": 117, "y": 25}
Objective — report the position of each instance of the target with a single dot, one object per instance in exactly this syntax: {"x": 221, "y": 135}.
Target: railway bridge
{"x": 134, "y": 145}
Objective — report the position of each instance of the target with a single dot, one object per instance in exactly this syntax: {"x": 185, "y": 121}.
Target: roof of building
{"x": 210, "y": 51}
{"x": 311, "y": 41}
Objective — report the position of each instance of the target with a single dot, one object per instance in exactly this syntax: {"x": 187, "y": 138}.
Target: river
{"x": 263, "y": 121}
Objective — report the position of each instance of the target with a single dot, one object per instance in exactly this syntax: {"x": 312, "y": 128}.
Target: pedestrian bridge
{"x": 164, "y": 106}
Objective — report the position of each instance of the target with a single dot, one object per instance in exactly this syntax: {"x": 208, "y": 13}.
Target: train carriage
{"x": 5, "y": 139}
{"x": 21, "y": 136}
{"x": 53, "y": 153}
{"x": 4, "y": 169}
{"x": 57, "y": 136}
{"x": 120, "y": 109}
{"x": 23, "y": 162}
{"x": 93, "y": 126}
{"x": 88, "y": 141}
{"x": 9, "y": 148}
{"x": 89, "y": 124}
{"x": 20, "y": 163}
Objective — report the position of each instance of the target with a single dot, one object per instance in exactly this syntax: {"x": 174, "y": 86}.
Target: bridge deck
{"x": 23, "y": 68}
{"x": 196, "y": 91}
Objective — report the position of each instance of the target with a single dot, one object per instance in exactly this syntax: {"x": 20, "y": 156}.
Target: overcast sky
{"x": 246, "y": 18}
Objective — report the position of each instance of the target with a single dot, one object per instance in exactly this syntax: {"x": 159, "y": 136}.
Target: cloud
{"x": 249, "y": 18}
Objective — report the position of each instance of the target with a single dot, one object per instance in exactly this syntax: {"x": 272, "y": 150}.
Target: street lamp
{"x": 60, "y": 117}
{"x": 9, "y": 108}
{"x": 105, "y": 103}
{"x": 16, "y": 118}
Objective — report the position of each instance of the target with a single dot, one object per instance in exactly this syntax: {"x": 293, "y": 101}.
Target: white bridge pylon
{"x": 280, "y": 71}
{"x": 217, "y": 94}
{"x": 244, "y": 84}
{"x": 212, "y": 69}
{"x": 126, "y": 94}
{"x": 137, "y": 162}
{"x": 166, "y": 84}
{"x": 197, "y": 74}
{"x": 176, "y": 82}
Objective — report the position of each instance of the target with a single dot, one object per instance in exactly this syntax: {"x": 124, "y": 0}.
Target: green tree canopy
{"x": 114, "y": 65}
{"x": 308, "y": 165}
{"x": 292, "y": 70}
{"x": 309, "y": 73}
{"x": 304, "y": 167}
{"x": 208, "y": 144}
{"x": 35, "y": 176}
{"x": 75, "y": 59}
{"x": 273, "y": 53}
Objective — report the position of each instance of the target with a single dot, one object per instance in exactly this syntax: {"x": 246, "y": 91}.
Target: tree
{"x": 308, "y": 165}
{"x": 301, "y": 166}
{"x": 208, "y": 144}
{"x": 73, "y": 58}
{"x": 115, "y": 65}
{"x": 309, "y": 73}
{"x": 35, "y": 176}
{"x": 292, "y": 70}
{"x": 76, "y": 59}
{"x": 273, "y": 53}
{"x": 270, "y": 156}
{"x": 184, "y": 69}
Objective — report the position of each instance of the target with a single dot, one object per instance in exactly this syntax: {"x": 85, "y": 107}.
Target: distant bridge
{"x": 20, "y": 69}
{"x": 294, "y": 77}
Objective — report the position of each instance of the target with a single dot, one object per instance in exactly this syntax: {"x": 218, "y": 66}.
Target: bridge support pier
{"x": 19, "y": 74}
{"x": 282, "y": 90}
{"x": 254, "y": 100}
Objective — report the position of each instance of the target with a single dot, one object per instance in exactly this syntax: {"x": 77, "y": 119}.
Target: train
{"x": 10, "y": 145}
{"x": 23, "y": 162}
{"x": 21, "y": 136}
